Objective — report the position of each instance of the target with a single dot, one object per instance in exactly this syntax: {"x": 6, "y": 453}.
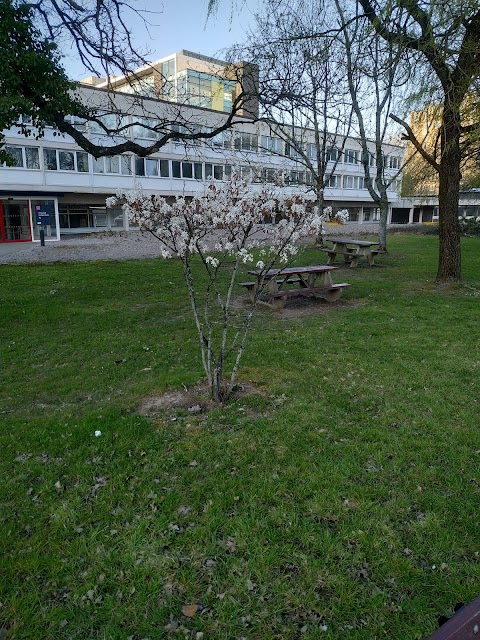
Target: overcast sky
{"x": 182, "y": 24}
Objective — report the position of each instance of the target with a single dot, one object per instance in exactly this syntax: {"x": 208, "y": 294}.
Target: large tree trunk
{"x": 449, "y": 256}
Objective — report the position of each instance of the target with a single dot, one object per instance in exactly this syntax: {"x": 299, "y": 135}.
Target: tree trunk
{"x": 382, "y": 226}
{"x": 449, "y": 256}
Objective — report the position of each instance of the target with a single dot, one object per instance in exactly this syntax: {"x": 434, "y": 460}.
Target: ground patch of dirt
{"x": 194, "y": 401}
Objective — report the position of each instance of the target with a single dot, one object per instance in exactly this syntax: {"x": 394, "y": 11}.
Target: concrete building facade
{"x": 53, "y": 179}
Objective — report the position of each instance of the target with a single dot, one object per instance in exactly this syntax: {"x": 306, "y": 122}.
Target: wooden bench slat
{"x": 249, "y": 285}
{"x": 307, "y": 291}
{"x": 350, "y": 254}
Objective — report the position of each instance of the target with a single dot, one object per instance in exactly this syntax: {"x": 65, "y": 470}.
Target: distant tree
{"x": 34, "y": 85}
{"x": 376, "y": 75}
{"x": 303, "y": 92}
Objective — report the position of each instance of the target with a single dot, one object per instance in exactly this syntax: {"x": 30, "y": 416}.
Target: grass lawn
{"x": 339, "y": 500}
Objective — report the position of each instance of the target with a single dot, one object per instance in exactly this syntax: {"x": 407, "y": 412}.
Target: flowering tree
{"x": 224, "y": 227}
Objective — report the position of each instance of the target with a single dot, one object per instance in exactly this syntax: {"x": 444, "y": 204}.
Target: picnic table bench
{"x": 463, "y": 625}
{"x": 278, "y": 285}
{"x": 351, "y": 250}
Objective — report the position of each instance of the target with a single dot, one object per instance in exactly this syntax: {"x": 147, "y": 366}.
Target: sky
{"x": 182, "y": 24}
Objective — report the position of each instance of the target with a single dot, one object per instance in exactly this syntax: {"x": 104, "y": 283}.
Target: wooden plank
{"x": 463, "y": 625}
{"x": 307, "y": 291}
{"x": 359, "y": 243}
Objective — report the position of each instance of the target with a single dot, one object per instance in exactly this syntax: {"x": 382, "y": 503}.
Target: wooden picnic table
{"x": 281, "y": 284}
{"x": 351, "y": 250}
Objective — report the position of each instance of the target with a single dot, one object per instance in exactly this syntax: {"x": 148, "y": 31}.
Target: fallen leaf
{"x": 189, "y": 610}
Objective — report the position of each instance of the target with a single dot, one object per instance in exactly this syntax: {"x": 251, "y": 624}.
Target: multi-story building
{"x": 53, "y": 175}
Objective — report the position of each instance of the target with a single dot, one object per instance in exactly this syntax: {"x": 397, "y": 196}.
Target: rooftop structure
{"x": 190, "y": 78}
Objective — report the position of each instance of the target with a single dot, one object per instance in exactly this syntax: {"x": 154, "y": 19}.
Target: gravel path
{"x": 133, "y": 245}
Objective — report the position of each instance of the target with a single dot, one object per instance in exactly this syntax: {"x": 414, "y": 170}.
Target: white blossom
{"x": 213, "y": 261}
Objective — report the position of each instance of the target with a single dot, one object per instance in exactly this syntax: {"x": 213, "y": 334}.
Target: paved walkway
{"x": 132, "y": 245}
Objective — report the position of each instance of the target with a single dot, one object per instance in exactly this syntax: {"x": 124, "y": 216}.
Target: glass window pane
{"x": 151, "y": 167}
{"x": 50, "y": 159}
{"x": 31, "y": 157}
{"x": 16, "y": 156}
{"x": 187, "y": 170}
{"x": 198, "y": 170}
{"x": 208, "y": 171}
{"x": 66, "y": 160}
{"x": 112, "y": 164}
{"x": 218, "y": 172}
{"x": 126, "y": 165}
{"x": 228, "y": 171}
{"x": 139, "y": 166}
{"x": 164, "y": 169}
{"x": 176, "y": 169}
{"x": 98, "y": 165}
{"x": 82, "y": 161}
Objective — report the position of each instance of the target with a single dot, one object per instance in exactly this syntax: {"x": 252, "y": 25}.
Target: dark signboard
{"x": 43, "y": 214}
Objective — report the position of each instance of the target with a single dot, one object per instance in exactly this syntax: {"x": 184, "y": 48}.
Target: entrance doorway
{"x": 15, "y": 221}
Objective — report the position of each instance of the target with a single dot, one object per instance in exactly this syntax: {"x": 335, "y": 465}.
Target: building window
{"x": 394, "y": 162}
{"x": 269, "y": 175}
{"x": 295, "y": 177}
{"x": 50, "y": 159}
{"x": 112, "y": 164}
{"x": 143, "y": 128}
{"x": 333, "y": 182}
{"x": 198, "y": 170}
{"x": 187, "y": 170}
{"x": 66, "y": 160}
{"x": 16, "y": 156}
{"x": 271, "y": 144}
{"x": 151, "y": 167}
{"x": 351, "y": 156}
{"x": 245, "y": 142}
{"x": 82, "y": 161}
{"x": 126, "y": 165}
{"x": 369, "y": 158}
{"x": 139, "y": 166}
{"x": 246, "y": 173}
{"x": 333, "y": 154}
{"x": 350, "y": 182}
{"x": 176, "y": 173}
{"x": 164, "y": 169}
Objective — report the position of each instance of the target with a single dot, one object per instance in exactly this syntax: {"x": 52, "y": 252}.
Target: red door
{"x": 15, "y": 223}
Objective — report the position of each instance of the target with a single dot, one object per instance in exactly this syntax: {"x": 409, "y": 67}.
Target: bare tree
{"x": 375, "y": 76}
{"x": 302, "y": 90}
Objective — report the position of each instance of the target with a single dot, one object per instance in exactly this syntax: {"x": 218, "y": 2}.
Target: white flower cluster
{"x": 234, "y": 210}
{"x": 340, "y": 216}
{"x": 213, "y": 261}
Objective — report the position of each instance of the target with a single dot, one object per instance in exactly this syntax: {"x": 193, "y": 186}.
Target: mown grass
{"x": 340, "y": 500}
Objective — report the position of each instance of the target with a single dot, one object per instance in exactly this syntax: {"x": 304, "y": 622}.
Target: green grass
{"x": 339, "y": 501}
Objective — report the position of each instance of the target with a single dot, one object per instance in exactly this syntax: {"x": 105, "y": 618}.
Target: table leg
{"x": 355, "y": 258}
{"x": 327, "y": 279}
{"x": 333, "y": 295}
